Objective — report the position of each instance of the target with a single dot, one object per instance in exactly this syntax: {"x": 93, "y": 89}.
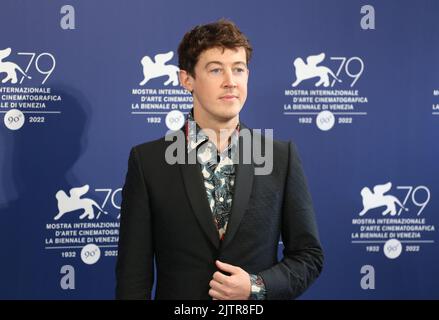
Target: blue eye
{"x": 215, "y": 71}
{"x": 239, "y": 71}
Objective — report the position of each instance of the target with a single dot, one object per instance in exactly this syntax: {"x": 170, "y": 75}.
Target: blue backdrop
{"x": 367, "y": 140}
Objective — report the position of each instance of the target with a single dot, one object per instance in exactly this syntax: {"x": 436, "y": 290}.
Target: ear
{"x": 186, "y": 80}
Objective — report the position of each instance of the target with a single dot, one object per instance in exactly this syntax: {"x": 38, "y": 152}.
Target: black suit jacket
{"x": 165, "y": 216}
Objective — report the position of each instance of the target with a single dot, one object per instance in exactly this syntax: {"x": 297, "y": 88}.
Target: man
{"x": 213, "y": 226}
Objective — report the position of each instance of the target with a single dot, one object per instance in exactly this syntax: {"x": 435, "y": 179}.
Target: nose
{"x": 229, "y": 80}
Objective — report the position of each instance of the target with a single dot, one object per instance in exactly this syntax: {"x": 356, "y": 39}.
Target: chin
{"x": 229, "y": 115}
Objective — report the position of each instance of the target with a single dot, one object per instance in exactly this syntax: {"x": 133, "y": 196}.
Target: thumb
{"x": 226, "y": 267}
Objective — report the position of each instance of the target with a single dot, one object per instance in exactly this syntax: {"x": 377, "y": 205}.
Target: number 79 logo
{"x": 42, "y": 67}
{"x": 352, "y": 67}
{"x": 420, "y": 196}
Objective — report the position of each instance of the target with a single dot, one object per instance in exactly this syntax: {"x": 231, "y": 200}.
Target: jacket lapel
{"x": 196, "y": 192}
{"x": 241, "y": 196}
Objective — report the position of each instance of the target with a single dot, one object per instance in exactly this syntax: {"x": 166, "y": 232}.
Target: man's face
{"x": 220, "y": 84}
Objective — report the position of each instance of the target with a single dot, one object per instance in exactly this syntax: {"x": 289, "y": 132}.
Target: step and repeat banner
{"x": 355, "y": 84}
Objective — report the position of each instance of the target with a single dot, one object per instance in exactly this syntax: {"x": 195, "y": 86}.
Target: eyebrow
{"x": 220, "y": 63}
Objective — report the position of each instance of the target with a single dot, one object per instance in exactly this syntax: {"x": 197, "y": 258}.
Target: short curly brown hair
{"x": 222, "y": 33}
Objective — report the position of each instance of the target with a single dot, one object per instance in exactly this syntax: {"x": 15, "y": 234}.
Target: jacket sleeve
{"x": 302, "y": 256}
{"x": 135, "y": 262}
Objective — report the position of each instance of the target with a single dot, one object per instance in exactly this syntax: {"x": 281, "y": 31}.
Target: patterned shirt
{"x": 218, "y": 171}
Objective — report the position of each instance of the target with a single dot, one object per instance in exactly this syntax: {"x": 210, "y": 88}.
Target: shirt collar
{"x": 196, "y": 137}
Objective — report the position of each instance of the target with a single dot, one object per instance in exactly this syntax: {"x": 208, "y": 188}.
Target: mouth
{"x": 229, "y": 97}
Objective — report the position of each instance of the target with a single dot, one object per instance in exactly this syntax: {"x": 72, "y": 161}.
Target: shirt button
{"x": 221, "y": 199}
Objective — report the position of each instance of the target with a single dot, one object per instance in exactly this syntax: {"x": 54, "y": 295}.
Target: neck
{"x": 218, "y": 130}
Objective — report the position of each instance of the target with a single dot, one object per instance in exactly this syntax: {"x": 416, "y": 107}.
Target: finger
{"x": 215, "y": 295}
{"x": 227, "y": 267}
{"x": 221, "y": 278}
{"x": 215, "y": 285}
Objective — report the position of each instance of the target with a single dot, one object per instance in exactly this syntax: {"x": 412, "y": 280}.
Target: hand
{"x": 237, "y": 286}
